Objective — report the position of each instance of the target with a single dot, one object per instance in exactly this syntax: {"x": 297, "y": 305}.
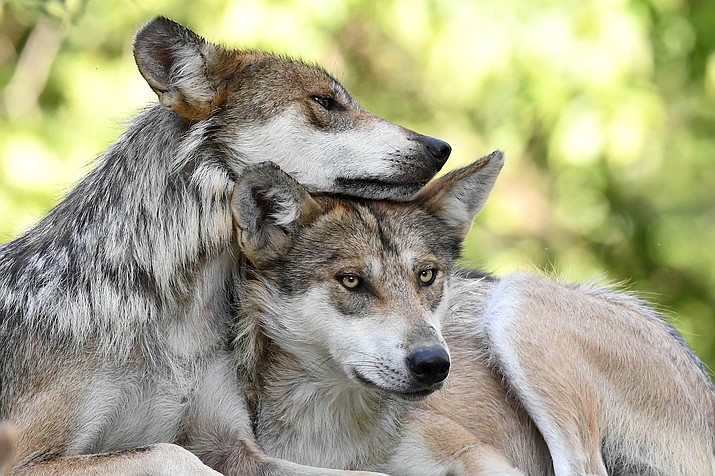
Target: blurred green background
{"x": 605, "y": 109}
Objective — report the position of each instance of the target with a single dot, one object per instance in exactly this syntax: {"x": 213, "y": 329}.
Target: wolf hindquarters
{"x": 614, "y": 389}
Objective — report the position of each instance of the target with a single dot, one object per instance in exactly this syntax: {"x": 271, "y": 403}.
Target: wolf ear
{"x": 268, "y": 207}
{"x": 174, "y": 61}
{"x": 458, "y": 196}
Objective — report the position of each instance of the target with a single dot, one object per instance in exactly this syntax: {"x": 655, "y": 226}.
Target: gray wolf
{"x": 351, "y": 319}
{"x": 116, "y": 308}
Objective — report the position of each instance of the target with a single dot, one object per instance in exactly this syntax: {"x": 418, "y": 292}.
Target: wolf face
{"x": 260, "y": 107}
{"x": 355, "y": 288}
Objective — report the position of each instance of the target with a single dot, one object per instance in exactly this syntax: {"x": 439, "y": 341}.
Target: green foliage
{"x": 606, "y": 111}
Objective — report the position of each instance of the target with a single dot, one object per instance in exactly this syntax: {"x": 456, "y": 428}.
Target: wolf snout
{"x": 438, "y": 149}
{"x": 429, "y": 365}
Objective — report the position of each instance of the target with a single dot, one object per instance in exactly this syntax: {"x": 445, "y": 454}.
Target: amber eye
{"x": 349, "y": 281}
{"x": 427, "y": 276}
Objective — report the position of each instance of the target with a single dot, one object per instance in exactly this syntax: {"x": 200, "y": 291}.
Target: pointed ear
{"x": 458, "y": 196}
{"x": 268, "y": 207}
{"x": 176, "y": 63}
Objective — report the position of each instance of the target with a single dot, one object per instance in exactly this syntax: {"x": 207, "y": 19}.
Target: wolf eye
{"x": 328, "y": 103}
{"x": 349, "y": 281}
{"x": 427, "y": 276}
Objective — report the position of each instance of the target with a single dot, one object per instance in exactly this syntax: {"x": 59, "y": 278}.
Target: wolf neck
{"x": 312, "y": 415}
{"x": 136, "y": 241}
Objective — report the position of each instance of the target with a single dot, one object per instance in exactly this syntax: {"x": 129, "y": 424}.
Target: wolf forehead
{"x": 279, "y": 81}
{"x": 354, "y": 230}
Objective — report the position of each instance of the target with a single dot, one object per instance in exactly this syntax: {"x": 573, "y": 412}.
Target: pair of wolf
{"x": 186, "y": 311}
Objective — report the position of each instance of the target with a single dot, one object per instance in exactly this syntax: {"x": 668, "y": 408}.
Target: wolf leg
{"x": 545, "y": 370}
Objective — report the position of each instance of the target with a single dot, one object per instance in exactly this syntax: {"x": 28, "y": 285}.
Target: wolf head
{"x": 357, "y": 286}
{"x": 259, "y": 107}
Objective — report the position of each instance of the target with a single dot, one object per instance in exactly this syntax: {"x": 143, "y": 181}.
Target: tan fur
{"x": 332, "y": 367}
{"x": 606, "y": 380}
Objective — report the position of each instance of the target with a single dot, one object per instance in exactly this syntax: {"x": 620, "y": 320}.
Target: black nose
{"x": 438, "y": 149}
{"x": 429, "y": 365}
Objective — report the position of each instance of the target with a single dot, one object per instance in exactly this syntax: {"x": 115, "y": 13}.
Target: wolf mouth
{"x": 413, "y": 396}
{"x": 378, "y": 188}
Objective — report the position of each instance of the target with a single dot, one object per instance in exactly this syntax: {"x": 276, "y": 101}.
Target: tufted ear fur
{"x": 458, "y": 196}
{"x": 268, "y": 206}
{"x": 177, "y": 63}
